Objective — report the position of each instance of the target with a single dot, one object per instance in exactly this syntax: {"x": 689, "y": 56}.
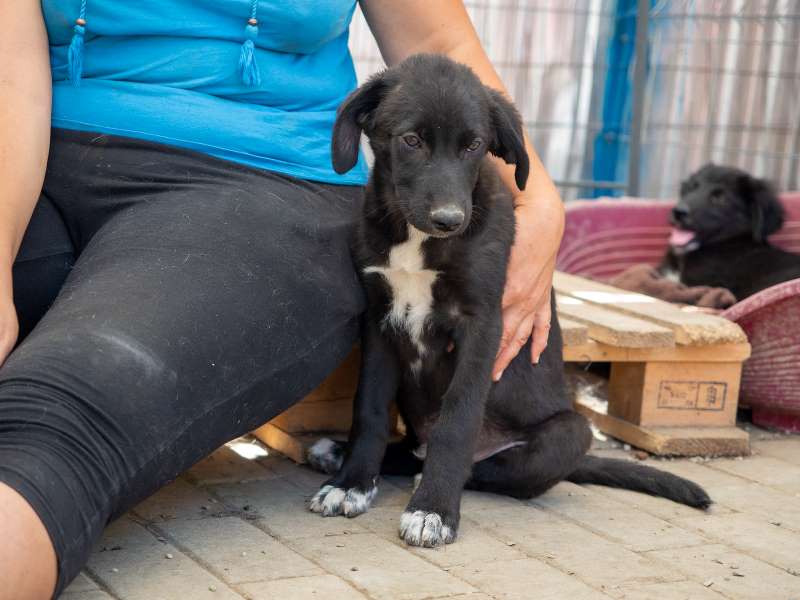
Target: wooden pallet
{"x": 673, "y": 389}
{"x": 674, "y": 384}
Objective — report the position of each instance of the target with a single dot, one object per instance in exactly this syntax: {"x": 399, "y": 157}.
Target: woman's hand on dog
{"x": 526, "y": 299}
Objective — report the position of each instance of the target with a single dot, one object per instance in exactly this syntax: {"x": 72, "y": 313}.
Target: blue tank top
{"x": 255, "y": 82}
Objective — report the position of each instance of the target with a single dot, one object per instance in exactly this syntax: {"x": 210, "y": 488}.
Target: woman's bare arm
{"x": 412, "y": 26}
{"x": 25, "y": 90}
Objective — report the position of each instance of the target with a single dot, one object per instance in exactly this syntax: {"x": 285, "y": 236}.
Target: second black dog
{"x": 722, "y": 222}
{"x": 433, "y": 248}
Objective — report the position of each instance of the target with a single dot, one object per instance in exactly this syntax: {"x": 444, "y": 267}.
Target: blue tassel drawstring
{"x": 248, "y": 67}
{"x": 75, "y": 56}
{"x": 75, "y": 51}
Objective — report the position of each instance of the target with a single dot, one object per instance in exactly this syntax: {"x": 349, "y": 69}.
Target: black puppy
{"x": 722, "y": 222}
{"x": 432, "y": 249}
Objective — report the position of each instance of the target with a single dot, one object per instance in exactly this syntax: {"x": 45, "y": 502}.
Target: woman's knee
{"x": 64, "y": 443}
{"x": 49, "y": 457}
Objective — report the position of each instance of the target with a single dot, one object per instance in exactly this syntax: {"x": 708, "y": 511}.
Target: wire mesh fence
{"x": 724, "y": 85}
{"x": 710, "y": 80}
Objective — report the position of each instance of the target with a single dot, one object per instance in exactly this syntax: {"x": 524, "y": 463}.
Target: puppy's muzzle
{"x": 448, "y": 218}
{"x": 680, "y": 215}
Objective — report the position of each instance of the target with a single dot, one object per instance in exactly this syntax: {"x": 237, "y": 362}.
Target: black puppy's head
{"x": 430, "y": 122}
{"x": 720, "y": 203}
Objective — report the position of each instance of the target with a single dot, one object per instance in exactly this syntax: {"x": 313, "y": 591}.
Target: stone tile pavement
{"x": 236, "y": 527}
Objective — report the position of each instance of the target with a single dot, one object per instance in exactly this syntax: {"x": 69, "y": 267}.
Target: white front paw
{"x": 420, "y": 528}
{"x": 331, "y": 501}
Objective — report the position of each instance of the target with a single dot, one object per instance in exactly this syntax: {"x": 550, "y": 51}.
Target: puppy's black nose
{"x": 680, "y": 214}
{"x": 447, "y": 218}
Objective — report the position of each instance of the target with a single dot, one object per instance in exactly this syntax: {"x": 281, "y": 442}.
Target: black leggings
{"x": 192, "y": 300}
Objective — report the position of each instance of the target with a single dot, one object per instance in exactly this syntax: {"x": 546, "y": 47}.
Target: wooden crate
{"x": 674, "y": 383}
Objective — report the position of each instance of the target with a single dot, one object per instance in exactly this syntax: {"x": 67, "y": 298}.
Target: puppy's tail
{"x": 639, "y": 478}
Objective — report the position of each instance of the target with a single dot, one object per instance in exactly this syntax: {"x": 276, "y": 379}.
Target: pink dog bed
{"x": 604, "y": 237}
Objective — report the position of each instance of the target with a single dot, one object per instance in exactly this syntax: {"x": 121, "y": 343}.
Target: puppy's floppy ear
{"x": 508, "y": 143}
{"x": 765, "y": 208}
{"x": 351, "y": 117}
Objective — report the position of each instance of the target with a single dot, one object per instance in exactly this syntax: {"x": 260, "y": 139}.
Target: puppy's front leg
{"x": 351, "y": 491}
{"x": 433, "y": 513}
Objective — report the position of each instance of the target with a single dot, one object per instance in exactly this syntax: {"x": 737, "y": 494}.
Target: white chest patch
{"x": 411, "y": 284}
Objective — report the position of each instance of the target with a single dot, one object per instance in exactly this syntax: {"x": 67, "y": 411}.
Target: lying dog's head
{"x": 720, "y": 203}
{"x": 430, "y": 122}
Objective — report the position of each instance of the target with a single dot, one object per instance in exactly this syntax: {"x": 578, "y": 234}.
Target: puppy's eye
{"x": 474, "y": 145}
{"x": 718, "y": 197}
{"x": 412, "y": 141}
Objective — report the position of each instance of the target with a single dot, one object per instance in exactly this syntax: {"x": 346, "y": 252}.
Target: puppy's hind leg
{"x": 326, "y": 456}
{"x": 552, "y": 451}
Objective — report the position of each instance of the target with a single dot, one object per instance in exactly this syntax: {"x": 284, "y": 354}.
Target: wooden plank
{"x": 315, "y": 413}
{"x": 615, "y": 328}
{"x": 593, "y": 351}
{"x": 672, "y": 441}
{"x": 573, "y": 334}
{"x": 292, "y": 445}
{"x": 696, "y": 328}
